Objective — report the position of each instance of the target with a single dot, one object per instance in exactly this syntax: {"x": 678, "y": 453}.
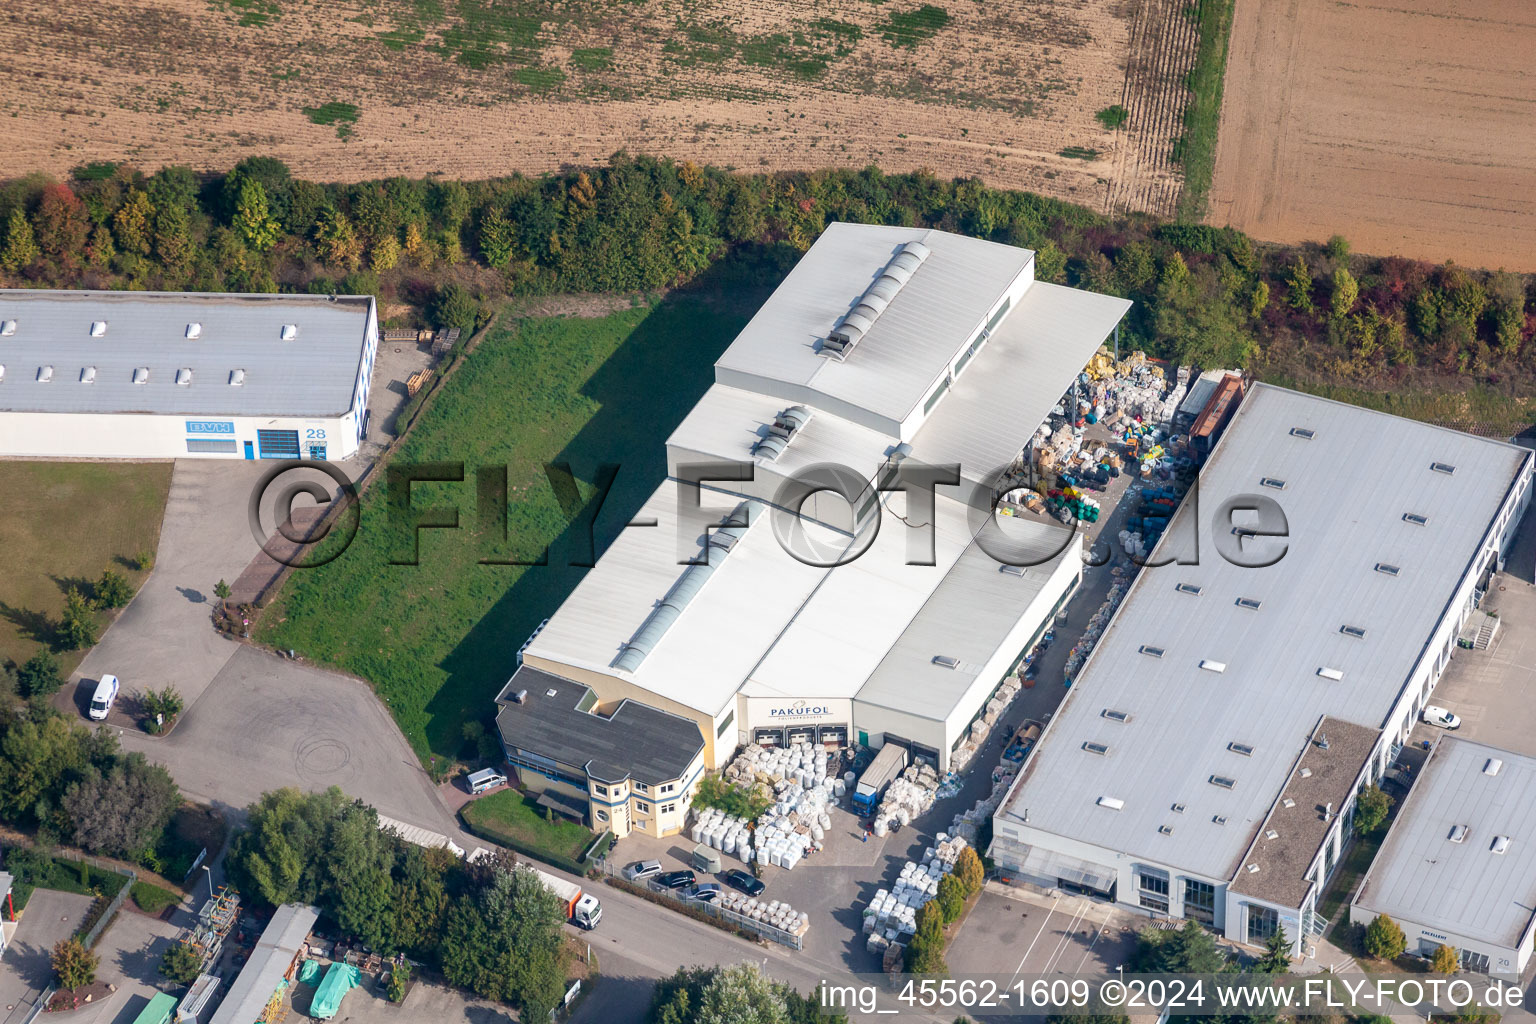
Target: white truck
{"x": 581, "y": 909}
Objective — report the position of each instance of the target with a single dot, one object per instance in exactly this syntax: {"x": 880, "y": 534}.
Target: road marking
{"x": 1032, "y": 942}
{"x": 1097, "y": 936}
{"x": 1066, "y": 937}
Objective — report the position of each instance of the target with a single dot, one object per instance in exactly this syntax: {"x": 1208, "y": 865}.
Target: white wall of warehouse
{"x": 154, "y": 436}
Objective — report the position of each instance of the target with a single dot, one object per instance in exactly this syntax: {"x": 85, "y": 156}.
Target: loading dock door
{"x": 768, "y": 737}
{"x": 833, "y": 734}
{"x": 802, "y": 734}
{"x": 278, "y": 444}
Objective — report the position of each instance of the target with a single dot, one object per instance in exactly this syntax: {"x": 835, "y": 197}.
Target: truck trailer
{"x": 887, "y": 764}
{"x": 581, "y": 909}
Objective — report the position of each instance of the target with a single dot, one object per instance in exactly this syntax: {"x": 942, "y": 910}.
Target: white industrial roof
{"x": 1345, "y": 494}
{"x": 767, "y": 624}
{"x": 1421, "y": 876}
{"x": 1019, "y": 375}
{"x": 763, "y": 623}
{"x": 967, "y": 617}
{"x": 728, "y": 421}
{"x": 312, "y": 374}
{"x": 908, "y": 349}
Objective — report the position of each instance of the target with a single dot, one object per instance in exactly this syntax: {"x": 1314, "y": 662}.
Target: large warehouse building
{"x": 158, "y": 375}
{"x": 884, "y": 344}
{"x": 1458, "y": 868}
{"x": 1206, "y": 761}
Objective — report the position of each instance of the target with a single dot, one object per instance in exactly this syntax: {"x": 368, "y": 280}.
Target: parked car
{"x": 1434, "y": 714}
{"x": 101, "y": 701}
{"x": 741, "y": 881}
{"x": 485, "y": 780}
{"x": 704, "y": 892}
{"x": 676, "y": 879}
{"x": 642, "y": 869}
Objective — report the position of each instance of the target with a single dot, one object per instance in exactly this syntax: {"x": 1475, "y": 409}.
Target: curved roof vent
{"x": 44, "y": 374}
{"x": 685, "y": 589}
{"x": 194, "y": 331}
{"x": 857, "y": 322}
{"x": 289, "y": 332}
{"x": 87, "y": 375}
{"x": 184, "y": 376}
{"x": 98, "y": 328}
{"x": 236, "y": 378}
{"x": 7, "y": 328}
{"x": 141, "y": 375}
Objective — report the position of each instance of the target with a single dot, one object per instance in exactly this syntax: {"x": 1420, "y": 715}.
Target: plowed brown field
{"x": 1408, "y": 126}
{"x": 475, "y": 88}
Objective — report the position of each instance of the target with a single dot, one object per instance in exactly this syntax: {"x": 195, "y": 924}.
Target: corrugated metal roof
{"x": 312, "y": 375}
{"x": 1347, "y": 490}
{"x": 275, "y": 951}
{"x": 907, "y": 349}
{"x": 728, "y": 421}
{"x": 1420, "y": 876}
{"x": 967, "y": 617}
{"x": 1019, "y": 375}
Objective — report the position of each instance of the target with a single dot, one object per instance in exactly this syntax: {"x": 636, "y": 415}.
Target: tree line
{"x": 70, "y": 784}
{"x": 443, "y": 250}
{"x": 486, "y": 927}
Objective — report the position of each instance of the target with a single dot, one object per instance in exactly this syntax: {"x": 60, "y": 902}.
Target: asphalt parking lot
{"x": 265, "y": 722}
{"x": 1491, "y": 690}
{"x": 1012, "y": 934}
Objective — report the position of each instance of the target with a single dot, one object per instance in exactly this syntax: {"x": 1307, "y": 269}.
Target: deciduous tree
{"x": 62, "y": 225}
{"x": 21, "y": 249}
{"x": 77, "y": 627}
{"x": 124, "y": 811}
{"x": 950, "y": 898}
{"x": 1384, "y": 939}
{"x": 925, "y": 950}
{"x": 131, "y": 223}
{"x": 74, "y": 965}
{"x": 181, "y": 964}
{"x": 741, "y": 994}
{"x": 1444, "y": 960}
{"x": 1371, "y": 809}
{"x": 253, "y": 217}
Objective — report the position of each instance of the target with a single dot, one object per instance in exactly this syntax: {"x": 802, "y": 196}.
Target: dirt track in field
{"x": 472, "y": 89}
{"x": 1408, "y": 126}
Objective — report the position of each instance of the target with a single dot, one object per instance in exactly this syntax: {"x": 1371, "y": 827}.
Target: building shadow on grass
{"x": 642, "y": 391}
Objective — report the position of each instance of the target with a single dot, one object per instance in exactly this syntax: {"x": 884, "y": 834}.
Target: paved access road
{"x": 49, "y": 918}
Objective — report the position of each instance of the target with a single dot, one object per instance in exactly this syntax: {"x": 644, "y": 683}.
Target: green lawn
{"x": 437, "y": 639}
{"x": 61, "y": 524}
{"x": 510, "y": 818}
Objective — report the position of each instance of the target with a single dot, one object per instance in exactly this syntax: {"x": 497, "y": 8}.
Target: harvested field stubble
{"x": 472, "y": 89}
{"x": 1404, "y": 126}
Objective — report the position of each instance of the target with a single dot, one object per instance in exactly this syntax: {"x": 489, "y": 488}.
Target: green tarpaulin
{"x": 309, "y": 972}
{"x": 339, "y": 980}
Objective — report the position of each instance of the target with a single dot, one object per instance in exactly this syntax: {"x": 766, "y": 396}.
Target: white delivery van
{"x": 101, "y": 700}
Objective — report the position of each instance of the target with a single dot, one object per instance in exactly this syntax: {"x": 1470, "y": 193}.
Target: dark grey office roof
{"x": 1346, "y": 491}
{"x": 311, "y": 375}
{"x": 1422, "y": 877}
{"x": 636, "y": 741}
{"x": 1322, "y": 777}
